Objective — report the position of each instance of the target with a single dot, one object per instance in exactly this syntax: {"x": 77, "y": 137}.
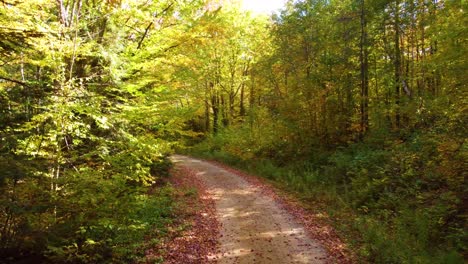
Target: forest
{"x": 357, "y": 106}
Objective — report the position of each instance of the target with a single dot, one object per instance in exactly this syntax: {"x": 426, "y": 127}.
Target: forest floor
{"x": 255, "y": 223}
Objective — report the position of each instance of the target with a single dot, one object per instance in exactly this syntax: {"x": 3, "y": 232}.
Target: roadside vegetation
{"x": 387, "y": 200}
{"x": 359, "y": 106}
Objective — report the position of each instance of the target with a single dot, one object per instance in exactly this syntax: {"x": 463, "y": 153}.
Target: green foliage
{"x": 116, "y": 234}
{"x": 360, "y": 105}
{"x": 357, "y": 104}
{"x": 79, "y": 147}
{"x": 406, "y": 207}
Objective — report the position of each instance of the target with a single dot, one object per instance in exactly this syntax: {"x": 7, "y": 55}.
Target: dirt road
{"x": 254, "y": 228}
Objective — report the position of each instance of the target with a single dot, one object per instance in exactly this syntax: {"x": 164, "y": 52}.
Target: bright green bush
{"x": 88, "y": 204}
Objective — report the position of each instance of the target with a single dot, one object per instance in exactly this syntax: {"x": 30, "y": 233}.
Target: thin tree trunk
{"x": 207, "y": 108}
{"x": 215, "y": 108}
{"x": 241, "y": 104}
{"x": 364, "y": 61}
{"x": 397, "y": 64}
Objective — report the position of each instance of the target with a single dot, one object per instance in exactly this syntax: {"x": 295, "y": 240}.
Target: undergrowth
{"x": 100, "y": 218}
{"x": 395, "y": 201}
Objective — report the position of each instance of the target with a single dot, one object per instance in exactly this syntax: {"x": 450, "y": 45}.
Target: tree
{"x": 79, "y": 158}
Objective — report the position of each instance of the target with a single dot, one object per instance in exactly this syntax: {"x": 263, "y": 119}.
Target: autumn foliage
{"x": 357, "y": 106}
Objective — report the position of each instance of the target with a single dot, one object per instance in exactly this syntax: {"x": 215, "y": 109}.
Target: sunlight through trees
{"x": 361, "y": 102}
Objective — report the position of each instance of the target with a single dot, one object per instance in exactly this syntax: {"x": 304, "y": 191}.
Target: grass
{"x": 375, "y": 214}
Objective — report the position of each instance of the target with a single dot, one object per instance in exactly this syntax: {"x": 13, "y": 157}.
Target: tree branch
{"x": 151, "y": 23}
{"x": 144, "y": 35}
{"x": 15, "y": 81}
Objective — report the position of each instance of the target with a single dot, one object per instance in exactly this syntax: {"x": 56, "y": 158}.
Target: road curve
{"x": 254, "y": 228}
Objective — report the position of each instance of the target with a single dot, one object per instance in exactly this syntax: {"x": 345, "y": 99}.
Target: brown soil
{"x": 193, "y": 237}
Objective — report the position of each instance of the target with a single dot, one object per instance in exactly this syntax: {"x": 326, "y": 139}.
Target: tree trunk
{"x": 224, "y": 111}
{"x": 215, "y": 108}
{"x": 207, "y": 108}
{"x": 397, "y": 64}
{"x": 241, "y": 103}
{"x": 364, "y": 61}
